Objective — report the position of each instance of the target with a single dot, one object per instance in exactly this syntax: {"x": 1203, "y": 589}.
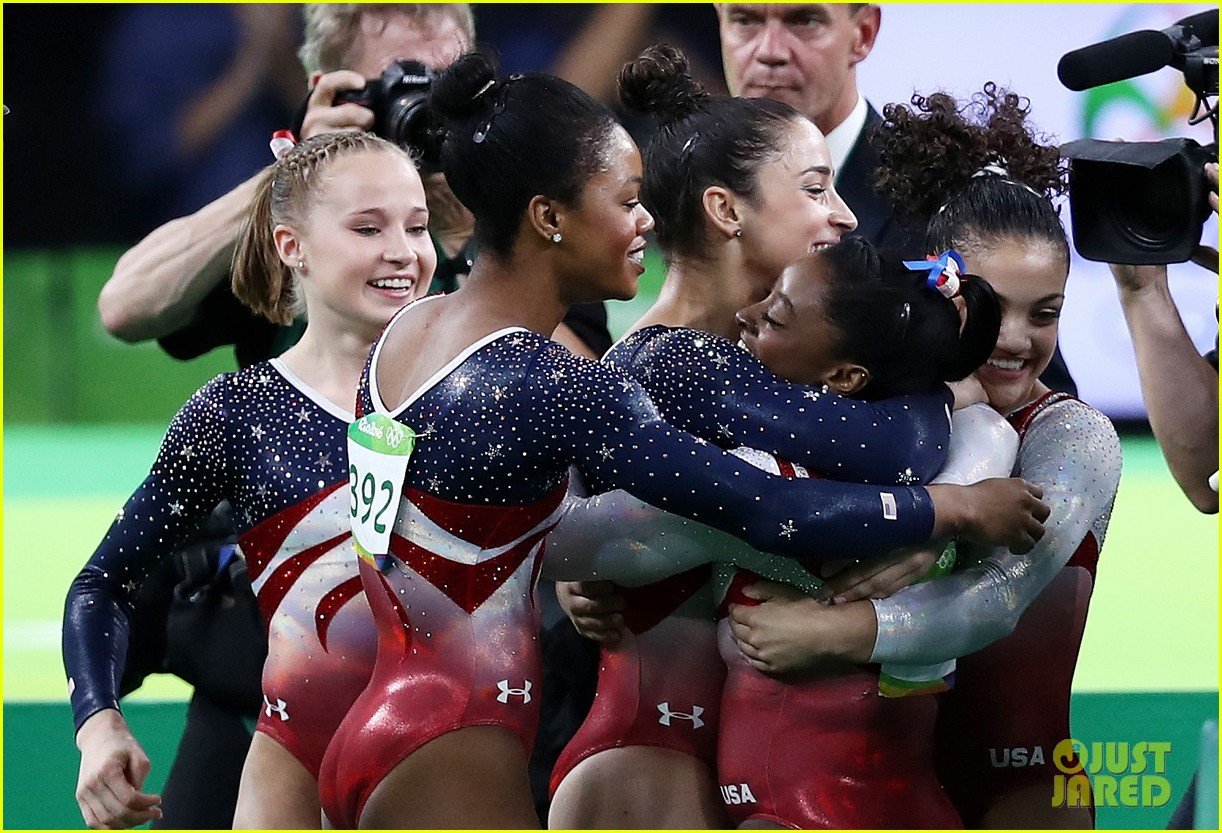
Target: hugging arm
{"x": 1072, "y": 452}
{"x": 704, "y": 385}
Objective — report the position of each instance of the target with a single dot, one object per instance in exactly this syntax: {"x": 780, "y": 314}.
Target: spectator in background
{"x": 173, "y": 285}
{"x": 806, "y": 55}
{"x": 189, "y": 95}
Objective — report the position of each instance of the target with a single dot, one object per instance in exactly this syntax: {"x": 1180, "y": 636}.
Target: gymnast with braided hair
{"x": 983, "y": 180}
{"x": 338, "y": 229}
{"x": 442, "y": 734}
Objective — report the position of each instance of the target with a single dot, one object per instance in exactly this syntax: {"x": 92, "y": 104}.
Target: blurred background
{"x": 92, "y": 162}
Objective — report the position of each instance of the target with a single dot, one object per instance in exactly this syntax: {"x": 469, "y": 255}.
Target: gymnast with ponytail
{"x": 984, "y": 180}
{"x": 442, "y": 734}
{"x": 739, "y": 189}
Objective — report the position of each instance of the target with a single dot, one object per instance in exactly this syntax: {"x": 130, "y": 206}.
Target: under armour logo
{"x": 667, "y": 714}
{"x": 278, "y": 709}
{"x": 523, "y": 692}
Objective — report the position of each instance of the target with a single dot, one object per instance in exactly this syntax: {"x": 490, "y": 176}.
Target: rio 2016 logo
{"x": 1111, "y": 774}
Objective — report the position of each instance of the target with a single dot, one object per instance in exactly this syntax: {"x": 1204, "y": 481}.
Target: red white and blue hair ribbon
{"x": 944, "y": 271}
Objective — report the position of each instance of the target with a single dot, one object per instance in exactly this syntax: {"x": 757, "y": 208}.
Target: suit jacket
{"x": 878, "y": 222}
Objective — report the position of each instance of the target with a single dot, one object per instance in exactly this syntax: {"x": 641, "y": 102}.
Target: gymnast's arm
{"x": 604, "y": 424}
{"x": 704, "y": 385}
{"x": 180, "y": 491}
{"x": 1073, "y": 453}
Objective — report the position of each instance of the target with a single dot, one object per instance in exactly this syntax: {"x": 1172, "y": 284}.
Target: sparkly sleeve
{"x": 184, "y": 485}
{"x": 709, "y": 387}
{"x": 602, "y": 422}
{"x": 1072, "y": 452}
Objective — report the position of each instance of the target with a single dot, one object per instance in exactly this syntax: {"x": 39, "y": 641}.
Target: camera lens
{"x": 403, "y": 118}
{"x": 1150, "y": 204}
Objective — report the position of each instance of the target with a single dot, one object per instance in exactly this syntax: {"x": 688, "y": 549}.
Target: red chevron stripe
{"x": 467, "y": 585}
{"x": 260, "y": 543}
{"x": 486, "y": 526}
{"x": 331, "y": 603}
{"x": 388, "y": 614}
{"x": 272, "y": 593}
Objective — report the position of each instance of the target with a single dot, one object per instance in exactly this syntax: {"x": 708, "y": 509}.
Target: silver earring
{"x": 738, "y": 232}
{"x": 301, "y": 264}
{"x": 556, "y": 238}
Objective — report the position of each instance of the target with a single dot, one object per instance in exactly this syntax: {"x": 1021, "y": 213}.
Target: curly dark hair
{"x": 932, "y": 150}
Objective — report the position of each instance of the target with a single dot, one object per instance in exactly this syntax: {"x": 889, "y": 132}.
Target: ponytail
{"x": 981, "y": 326}
{"x": 905, "y": 333}
{"x": 261, "y": 280}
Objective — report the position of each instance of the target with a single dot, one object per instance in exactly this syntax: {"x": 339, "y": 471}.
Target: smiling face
{"x": 1029, "y": 278}
{"x": 603, "y": 236}
{"x": 802, "y": 54}
{"x": 796, "y": 209}
{"x": 789, "y": 331}
{"x": 363, "y": 240}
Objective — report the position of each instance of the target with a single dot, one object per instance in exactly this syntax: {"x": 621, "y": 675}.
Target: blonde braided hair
{"x": 262, "y": 281}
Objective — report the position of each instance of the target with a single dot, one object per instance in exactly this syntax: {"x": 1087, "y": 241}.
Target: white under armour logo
{"x": 523, "y": 692}
{"x": 278, "y": 709}
{"x": 667, "y": 714}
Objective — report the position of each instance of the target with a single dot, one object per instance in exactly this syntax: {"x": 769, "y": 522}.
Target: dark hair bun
{"x": 660, "y": 82}
{"x": 456, "y": 93}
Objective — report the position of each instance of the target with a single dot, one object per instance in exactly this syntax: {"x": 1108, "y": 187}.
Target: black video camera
{"x": 399, "y": 101}
{"x": 1143, "y": 202}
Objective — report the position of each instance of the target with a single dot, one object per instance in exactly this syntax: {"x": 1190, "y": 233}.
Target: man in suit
{"x": 806, "y": 55}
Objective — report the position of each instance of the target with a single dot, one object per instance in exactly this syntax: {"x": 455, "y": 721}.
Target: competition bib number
{"x": 378, "y": 451}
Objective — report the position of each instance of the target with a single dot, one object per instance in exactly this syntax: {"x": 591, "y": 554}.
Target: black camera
{"x": 1143, "y": 202}
{"x": 399, "y": 101}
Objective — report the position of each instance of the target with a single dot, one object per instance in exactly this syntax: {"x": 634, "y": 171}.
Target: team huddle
{"x": 850, "y": 535}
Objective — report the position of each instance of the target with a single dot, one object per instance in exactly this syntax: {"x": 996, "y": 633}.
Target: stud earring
{"x": 738, "y": 232}
{"x": 556, "y": 238}
{"x": 301, "y": 264}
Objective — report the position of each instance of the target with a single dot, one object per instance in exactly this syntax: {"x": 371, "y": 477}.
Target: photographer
{"x": 1179, "y": 387}
{"x": 172, "y": 285}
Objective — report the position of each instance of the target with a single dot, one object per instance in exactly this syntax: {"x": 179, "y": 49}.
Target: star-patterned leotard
{"x": 499, "y": 427}
{"x": 274, "y": 448}
{"x": 661, "y": 686}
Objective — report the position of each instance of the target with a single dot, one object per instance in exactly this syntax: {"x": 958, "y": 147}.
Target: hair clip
{"x": 484, "y": 89}
{"x": 282, "y": 142}
{"x": 995, "y": 168}
{"x": 498, "y": 106}
{"x": 943, "y": 271}
{"x": 905, "y": 318}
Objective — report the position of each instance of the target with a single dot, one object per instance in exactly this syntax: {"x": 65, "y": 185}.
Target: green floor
{"x": 1148, "y": 669}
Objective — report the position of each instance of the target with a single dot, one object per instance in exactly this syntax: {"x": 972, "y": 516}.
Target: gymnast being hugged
{"x": 338, "y": 228}
{"x": 984, "y": 180}
{"x": 739, "y": 188}
{"x": 442, "y": 734}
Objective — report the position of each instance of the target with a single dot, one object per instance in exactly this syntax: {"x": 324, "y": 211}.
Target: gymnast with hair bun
{"x": 984, "y": 180}
{"x": 500, "y": 413}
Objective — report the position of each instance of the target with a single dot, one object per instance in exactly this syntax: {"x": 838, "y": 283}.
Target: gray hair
{"x": 331, "y": 28}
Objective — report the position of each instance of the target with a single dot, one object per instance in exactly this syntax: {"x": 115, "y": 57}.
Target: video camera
{"x": 1143, "y": 202}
